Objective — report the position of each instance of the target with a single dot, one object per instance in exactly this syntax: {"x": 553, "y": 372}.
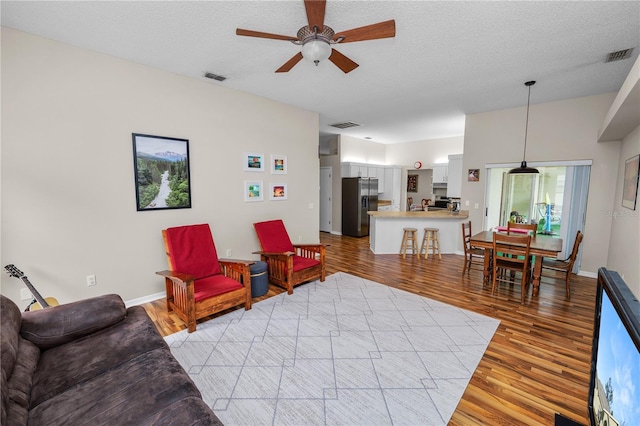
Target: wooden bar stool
{"x": 409, "y": 240}
{"x": 430, "y": 241}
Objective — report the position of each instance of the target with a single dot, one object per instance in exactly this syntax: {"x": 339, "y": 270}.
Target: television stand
{"x": 563, "y": 421}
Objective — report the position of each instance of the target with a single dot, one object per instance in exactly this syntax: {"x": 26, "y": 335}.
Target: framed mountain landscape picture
{"x": 161, "y": 166}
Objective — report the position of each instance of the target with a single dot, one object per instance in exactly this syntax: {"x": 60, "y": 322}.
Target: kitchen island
{"x": 385, "y": 229}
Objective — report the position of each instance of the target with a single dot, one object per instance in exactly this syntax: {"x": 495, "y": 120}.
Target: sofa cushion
{"x": 19, "y": 384}
{"x": 193, "y": 251}
{"x": 205, "y": 288}
{"x": 65, "y": 366}
{"x": 10, "y": 320}
{"x": 61, "y": 324}
{"x": 123, "y": 395}
{"x": 19, "y": 358}
{"x": 273, "y": 236}
{"x": 300, "y": 263}
{"x": 191, "y": 411}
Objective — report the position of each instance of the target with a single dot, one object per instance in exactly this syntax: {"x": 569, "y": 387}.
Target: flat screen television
{"x": 614, "y": 391}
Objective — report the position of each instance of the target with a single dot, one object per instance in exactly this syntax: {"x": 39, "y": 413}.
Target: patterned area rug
{"x": 347, "y": 351}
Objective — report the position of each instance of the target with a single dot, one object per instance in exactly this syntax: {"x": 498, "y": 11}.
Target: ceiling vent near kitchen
{"x": 345, "y": 125}
{"x": 213, "y": 76}
{"x": 619, "y": 55}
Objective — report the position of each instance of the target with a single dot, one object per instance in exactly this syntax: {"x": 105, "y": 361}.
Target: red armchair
{"x": 198, "y": 283}
{"x": 289, "y": 264}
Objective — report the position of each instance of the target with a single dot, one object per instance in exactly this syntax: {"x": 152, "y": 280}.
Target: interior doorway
{"x": 326, "y": 204}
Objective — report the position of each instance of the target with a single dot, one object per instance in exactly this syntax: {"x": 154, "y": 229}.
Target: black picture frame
{"x": 412, "y": 183}
{"x": 162, "y": 175}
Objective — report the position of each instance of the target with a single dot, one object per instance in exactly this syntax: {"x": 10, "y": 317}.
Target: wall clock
{"x": 417, "y": 164}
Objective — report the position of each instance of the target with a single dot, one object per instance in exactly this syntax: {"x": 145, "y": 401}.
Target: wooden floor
{"x": 538, "y": 361}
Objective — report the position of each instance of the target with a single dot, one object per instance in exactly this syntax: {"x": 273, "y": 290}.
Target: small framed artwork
{"x": 630, "y": 189}
{"x": 278, "y": 164}
{"x": 474, "y": 175}
{"x": 253, "y": 162}
{"x": 278, "y": 191}
{"x": 253, "y": 191}
{"x": 161, "y": 166}
{"x": 412, "y": 183}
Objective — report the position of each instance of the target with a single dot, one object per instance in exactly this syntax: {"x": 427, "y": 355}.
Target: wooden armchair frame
{"x": 180, "y": 287}
{"x": 281, "y": 264}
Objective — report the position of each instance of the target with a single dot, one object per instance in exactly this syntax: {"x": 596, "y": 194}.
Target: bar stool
{"x": 409, "y": 240}
{"x": 430, "y": 241}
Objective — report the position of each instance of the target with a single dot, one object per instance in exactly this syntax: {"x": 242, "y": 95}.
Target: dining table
{"x": 541, "y": 246}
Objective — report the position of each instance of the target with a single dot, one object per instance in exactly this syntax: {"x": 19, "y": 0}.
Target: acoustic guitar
{"x": 38, "y": 301}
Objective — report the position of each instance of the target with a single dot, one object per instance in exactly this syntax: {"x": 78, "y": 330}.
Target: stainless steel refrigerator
{"x": 359, "y": 196}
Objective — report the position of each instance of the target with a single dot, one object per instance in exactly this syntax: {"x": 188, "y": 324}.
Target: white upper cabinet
{"x": 440, "y": 174}
{"x": 454, "y": 176}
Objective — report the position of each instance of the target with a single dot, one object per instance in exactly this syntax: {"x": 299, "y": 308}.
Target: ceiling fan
{"x": 316, "y": 38}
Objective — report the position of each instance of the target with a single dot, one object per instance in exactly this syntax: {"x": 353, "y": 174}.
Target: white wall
{"x": 624, "y": 247}
{"x": 68, "y": 198}
{"x": 562, "y": 130}
{"x": 428, "y": 151}
{"x": 356, "y": 150}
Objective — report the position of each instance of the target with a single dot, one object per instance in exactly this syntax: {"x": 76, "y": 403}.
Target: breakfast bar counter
{"x": 385, "y": 229}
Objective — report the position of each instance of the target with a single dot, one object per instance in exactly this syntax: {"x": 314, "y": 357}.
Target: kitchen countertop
{"x": 384, "y": 202}
{"x": 442, "y": 214}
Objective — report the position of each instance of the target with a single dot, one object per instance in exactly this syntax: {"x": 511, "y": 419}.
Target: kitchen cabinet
{"x": 378, "y": 172}
{"x": 440, "y": 173}
{"x": 365, "y": 170}
{"x": 454, "y": 176}
{"x": 393, "y": 186}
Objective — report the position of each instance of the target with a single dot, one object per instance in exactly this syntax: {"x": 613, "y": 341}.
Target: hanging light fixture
{"x": 523, "y": 166}
{"x": 316, "y": 45}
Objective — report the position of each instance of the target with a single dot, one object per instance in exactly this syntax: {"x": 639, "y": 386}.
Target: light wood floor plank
{"x": 538, "y": 361}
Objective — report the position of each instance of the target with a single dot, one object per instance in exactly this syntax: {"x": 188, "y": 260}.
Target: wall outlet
{"x": 229, "y": 252}
{"x": 91, "y": 280}
{"x": 476, "y": 205}
{"x": 25, "y": 294}
{"x": 299, "y": 238}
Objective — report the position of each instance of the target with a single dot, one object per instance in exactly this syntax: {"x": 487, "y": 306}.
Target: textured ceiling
{"x": 448, "y": 59}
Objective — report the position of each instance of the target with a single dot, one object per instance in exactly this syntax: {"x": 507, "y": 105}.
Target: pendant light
{"x": 523, "y": 166}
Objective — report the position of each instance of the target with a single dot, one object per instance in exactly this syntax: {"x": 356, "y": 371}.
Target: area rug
{"x": 347, "y": 351}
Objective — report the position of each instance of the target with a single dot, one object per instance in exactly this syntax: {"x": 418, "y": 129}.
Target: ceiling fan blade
{"x": 315, "y": 13}
{"x": 342, "y": 62}
{"x": 250, "y": 33}
{"x": 290, "y": 63}
{"x": 384, "y": 29}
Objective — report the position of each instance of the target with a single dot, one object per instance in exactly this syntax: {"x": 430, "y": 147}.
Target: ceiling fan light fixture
{"x": 523, "y": 166}
{"x": 316, "y": 50}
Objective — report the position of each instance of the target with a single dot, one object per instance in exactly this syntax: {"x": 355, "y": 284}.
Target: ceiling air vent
{"x": 619, "y": 55}
{"x": 345, "y": 125}
{"x": 215, "y": 76}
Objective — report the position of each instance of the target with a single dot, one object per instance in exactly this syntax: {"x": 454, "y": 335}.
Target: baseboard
{"x": 588, "y": 274}
{"x": 144, "y": 299}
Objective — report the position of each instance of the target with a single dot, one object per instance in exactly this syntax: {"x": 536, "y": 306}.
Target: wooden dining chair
{"x": 511, "y": 252}
{"x": 470, "y": 252}
{"x": 565, "y": 266}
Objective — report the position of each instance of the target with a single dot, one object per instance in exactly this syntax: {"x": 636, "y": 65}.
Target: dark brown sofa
{"x": 92, "y": 362}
